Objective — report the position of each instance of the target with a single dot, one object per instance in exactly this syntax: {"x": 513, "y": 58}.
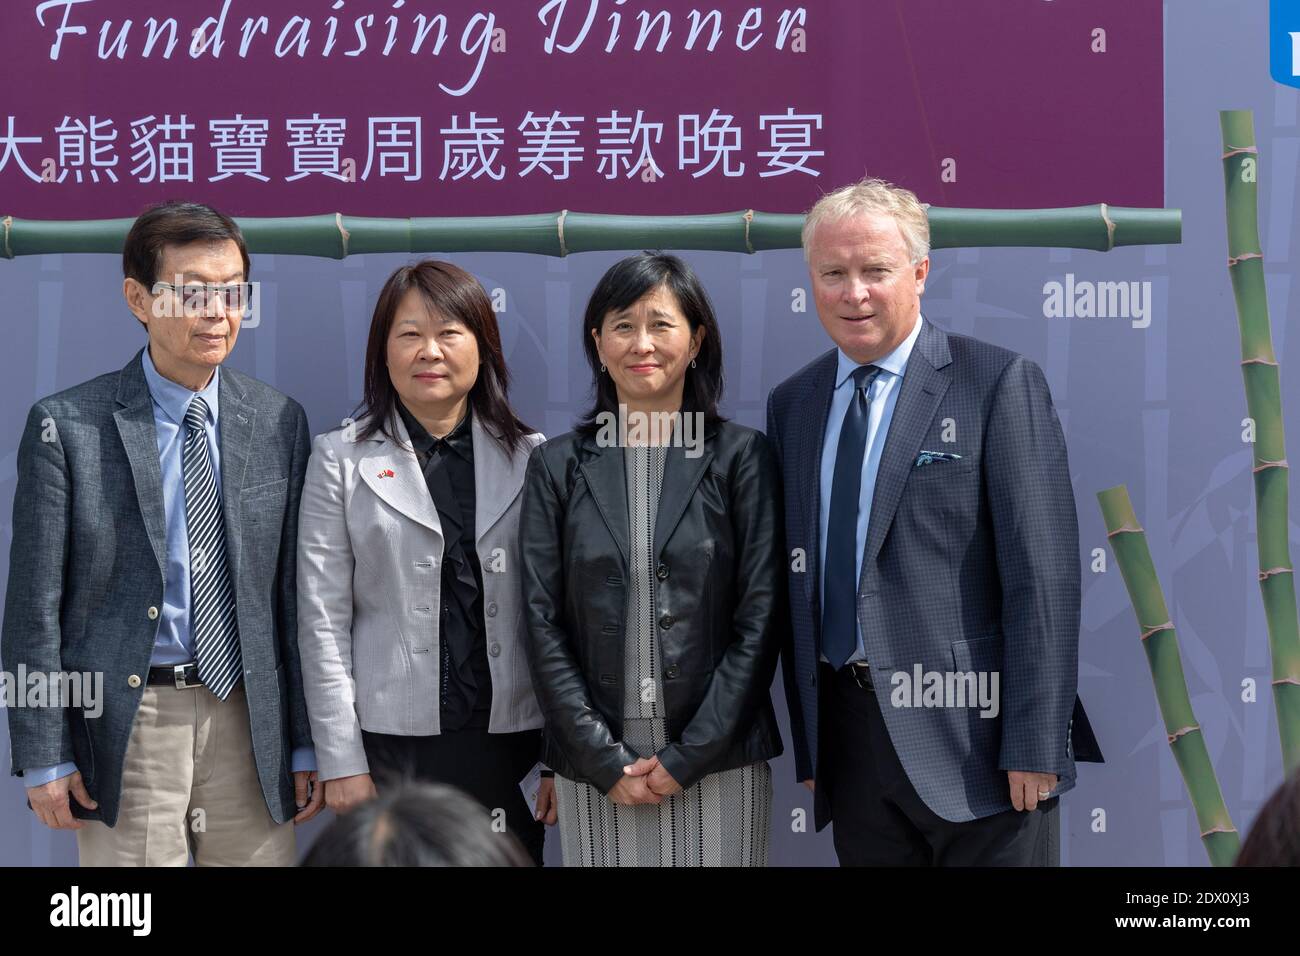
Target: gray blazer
{"x": 369, "y": 552}
{"x": 87, "y": 566}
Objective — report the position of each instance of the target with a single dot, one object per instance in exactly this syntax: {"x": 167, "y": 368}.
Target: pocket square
{"x": 928, "y": 456}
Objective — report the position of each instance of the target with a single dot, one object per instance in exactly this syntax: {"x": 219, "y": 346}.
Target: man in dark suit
{"x": 931, "y": 668}
{"x": 154, "y": 545}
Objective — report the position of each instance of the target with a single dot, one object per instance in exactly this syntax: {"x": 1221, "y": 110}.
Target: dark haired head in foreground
{"x": 417, "y": 824}
{"x": 1274, "y": 839}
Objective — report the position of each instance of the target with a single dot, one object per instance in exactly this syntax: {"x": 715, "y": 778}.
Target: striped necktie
{"x": 212, "y": 602}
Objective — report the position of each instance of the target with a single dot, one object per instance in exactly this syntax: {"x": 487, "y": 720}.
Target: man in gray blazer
{"x": 154, "y": 548}
{"x": 932, "y": 663}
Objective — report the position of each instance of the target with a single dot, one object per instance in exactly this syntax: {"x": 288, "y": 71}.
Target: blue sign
{"x": 1284, "y": 41}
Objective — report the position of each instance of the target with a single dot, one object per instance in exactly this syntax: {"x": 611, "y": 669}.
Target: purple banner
{"x": 441, "y": 107}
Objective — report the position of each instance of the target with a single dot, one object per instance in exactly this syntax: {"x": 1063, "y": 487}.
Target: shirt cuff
{"x": 39, "y": 776}
{"x": 304, "y": 758}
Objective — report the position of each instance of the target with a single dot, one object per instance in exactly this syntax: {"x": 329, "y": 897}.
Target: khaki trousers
{"x": 189, "y": 785}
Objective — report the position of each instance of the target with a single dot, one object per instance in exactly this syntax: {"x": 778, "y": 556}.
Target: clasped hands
{"x": 644, "y": 781}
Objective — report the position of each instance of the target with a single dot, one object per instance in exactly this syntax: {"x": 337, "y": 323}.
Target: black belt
{"x": 859, "y": 672}
{"x": 179, "y": 676}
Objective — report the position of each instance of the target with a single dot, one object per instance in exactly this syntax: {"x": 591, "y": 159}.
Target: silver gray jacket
{"x": 369, "y": 558}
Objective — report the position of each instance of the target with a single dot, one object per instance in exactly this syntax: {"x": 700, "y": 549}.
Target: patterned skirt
{"x": 723, "y": 820}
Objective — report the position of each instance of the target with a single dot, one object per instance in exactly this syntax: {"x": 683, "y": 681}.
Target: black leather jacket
{"x": 720, "y": 594}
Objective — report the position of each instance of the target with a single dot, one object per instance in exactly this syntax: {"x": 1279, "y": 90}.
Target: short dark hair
{"x": 1274, "y": 838}
{"x": 417, "y": 824}
{"x": 628, "y": 280}
{"x": 174, "y": 222}
{"x": 448, "y": 289}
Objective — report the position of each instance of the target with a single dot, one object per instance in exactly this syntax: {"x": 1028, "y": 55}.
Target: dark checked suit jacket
{"x": 88, "y": 558}
{"x": 970, "y": 565}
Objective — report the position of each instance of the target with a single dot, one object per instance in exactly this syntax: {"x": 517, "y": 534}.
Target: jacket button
{"x": 153, "y": 614}
{"x": 673, "y": 671}
{"x": 134, "y": 679}
{"x": 666, "y": 621}
{"x": 492, "y": 609}
{"x": 661, "y": 572}
{"x": 494, "y": 649}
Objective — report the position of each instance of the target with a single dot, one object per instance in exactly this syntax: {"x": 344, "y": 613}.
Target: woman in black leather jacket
{"x": 653, "y": 587}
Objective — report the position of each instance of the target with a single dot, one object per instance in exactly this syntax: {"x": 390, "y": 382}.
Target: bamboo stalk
{"x": 1160, "y": 641}
{"x": 1260, "y": 372}
{"x": 333, "y": 235}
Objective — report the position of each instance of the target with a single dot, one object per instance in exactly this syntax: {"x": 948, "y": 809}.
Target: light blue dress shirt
{"x": 174, "y": 639}
{"x": 883, "y": 396}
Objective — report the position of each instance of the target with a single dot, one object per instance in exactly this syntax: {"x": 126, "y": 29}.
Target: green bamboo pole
{"x": 1160, "y": 641}
{"x": 333, "y": 235}
{"x": 1259, "y": 370}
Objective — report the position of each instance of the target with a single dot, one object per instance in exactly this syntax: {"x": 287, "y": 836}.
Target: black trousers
{"x": 488, "y": 767}
{"x": 877, "y": 816}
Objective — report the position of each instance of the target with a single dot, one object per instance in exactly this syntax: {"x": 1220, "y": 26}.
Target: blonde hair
{"x": 873, "y": 196}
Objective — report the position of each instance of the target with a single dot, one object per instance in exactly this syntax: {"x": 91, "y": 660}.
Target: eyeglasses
{"x": 198, "y": 298}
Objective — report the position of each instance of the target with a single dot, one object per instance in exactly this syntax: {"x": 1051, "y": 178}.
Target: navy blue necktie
{"x": 839, "y": 581}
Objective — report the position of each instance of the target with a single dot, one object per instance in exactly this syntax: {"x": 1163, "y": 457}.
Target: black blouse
{"x": 448, "y": 465}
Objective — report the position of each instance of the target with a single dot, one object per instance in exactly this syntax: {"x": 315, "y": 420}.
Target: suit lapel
{"x": 393, "y": 473}
{"x": 235, "y": 424}
{"x": 498, "y": 478}
{"x": 811, "y": 435}
{"x": 135, "y": 426}
{"x": 924, "y": 384}
{"x": 603, "y": 469}
{"x": 681, "y": 475}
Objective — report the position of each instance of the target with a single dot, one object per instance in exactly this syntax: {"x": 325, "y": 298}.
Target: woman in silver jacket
{"x": 409, "y": 612}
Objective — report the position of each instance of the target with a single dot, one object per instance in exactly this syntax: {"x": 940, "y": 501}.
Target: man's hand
{"x": 344, "y": 793}
{"x": 1028, "y": 787}
{"x": 303, "y": 781}
{"x": 811, "y": 785}
{"x": 50, "y": 801}
{"x": 632, "y": 789}
{"x": 547, "y": 809}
